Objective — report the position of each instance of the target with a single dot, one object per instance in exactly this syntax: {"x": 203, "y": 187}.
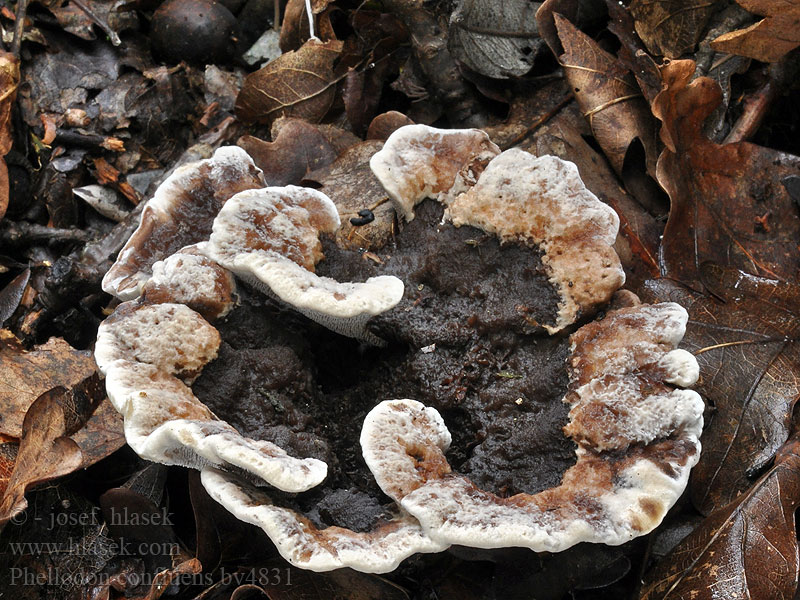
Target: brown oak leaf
{"x": 749, "y": 355}
{"x": 770, "y": 39}
{"x": 607, "y": 94}
{"x": 747, "y": 549}
{"x": 728, "y": 205}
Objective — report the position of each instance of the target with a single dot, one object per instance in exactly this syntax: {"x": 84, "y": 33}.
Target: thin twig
{"x": 20, "y": 234}
{"x": 539, "y": 122}
{"x": 112, "y": 35}
{"x": 310, "y": 14}
{"x": 770, "y": 340}
{"x": 19, "y": 26}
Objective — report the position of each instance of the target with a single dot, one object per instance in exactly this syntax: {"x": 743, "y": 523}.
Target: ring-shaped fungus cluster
{"x": 634, "y": 425}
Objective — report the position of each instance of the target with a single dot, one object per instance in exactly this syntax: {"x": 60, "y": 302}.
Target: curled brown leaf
{"x": 300, "y": 83}
{"x": 607, "y": 94}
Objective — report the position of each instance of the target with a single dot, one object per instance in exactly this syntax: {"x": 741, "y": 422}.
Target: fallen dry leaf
{"x": 728, "y": 205}
{"x": 298, "y": 148}
{"x": 101, "y": 435}
{"x": 9, "y": 80}
{"x": 671, "y": 27}
{"x": 28, "y": 374}
{"x": 770, "y": 39}
{"x": 45, "y": 451}
{"x": 607, "y": 94}
{"x": 749, "y": 356}
{"x": 301, "y": 83}
{"x": 746, "y": 550}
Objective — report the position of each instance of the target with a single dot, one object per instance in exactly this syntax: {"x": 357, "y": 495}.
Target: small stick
{"x": 112, "y": 35}
{"x": 19, "y": 234}
{"x": 19, "y": 26}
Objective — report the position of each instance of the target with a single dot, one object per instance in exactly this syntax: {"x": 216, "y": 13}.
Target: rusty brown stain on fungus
{"x": 650, "y": 507}
{"x": 260, "y": 237}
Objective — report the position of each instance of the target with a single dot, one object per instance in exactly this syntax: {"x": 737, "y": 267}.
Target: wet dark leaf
{"x": 727, "y": 202}
{"x": 749, "y": 357}
{"x": 747, "y": 549}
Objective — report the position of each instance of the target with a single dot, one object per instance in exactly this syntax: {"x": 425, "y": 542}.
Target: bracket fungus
{"x": 269, "y": 238}
{"x": 552, "y": 437}
{"x": 148, "y": 354}
{"x": 538, "y": 201}
{"x": 419, "y": 162}
{"x": 180, "y": 213}
{"x": 305, "y": 545}
{"x": 637, "y": 440}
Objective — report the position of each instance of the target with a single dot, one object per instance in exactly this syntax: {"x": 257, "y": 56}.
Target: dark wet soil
{"x": 465, "y": 339}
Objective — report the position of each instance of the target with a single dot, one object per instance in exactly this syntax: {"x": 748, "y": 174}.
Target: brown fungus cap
{"x": 179, "y": 214}
{"x": 270, "y": 238}
{"x": 637, "y": 440}
{"x": 145, "y": 351}
{"x": 419, "y": 162}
